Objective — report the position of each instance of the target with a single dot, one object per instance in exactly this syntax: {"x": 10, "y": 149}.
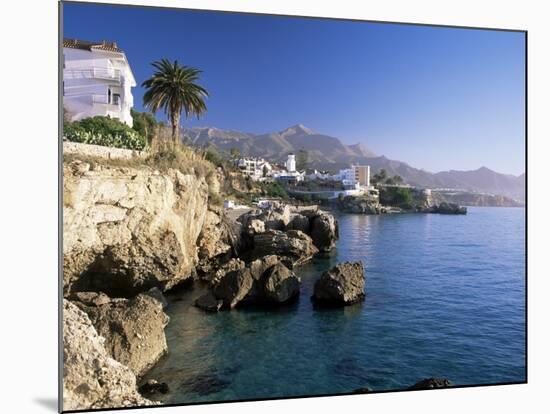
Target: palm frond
{"x": 174, "y": 89}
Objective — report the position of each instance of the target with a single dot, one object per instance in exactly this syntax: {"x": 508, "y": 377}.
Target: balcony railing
{"x": 92, "y": 73}
{"x": 98, "y": 99}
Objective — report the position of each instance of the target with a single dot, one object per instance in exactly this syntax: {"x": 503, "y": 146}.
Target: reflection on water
{"x": 444, "y": 297}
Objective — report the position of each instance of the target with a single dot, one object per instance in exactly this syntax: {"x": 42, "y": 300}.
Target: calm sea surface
{"x": 445, "y": 296}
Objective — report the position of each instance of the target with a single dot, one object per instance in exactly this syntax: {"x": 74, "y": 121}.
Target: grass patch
{"x": 161, "y": 156}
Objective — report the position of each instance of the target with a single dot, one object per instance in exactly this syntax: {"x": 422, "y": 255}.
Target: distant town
{"x": 98, "y": 82}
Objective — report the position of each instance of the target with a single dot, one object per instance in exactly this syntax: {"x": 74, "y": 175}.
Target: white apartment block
{"x": 97, "y": 80}
{"x": 356, "y": 176}
{"x": 254, "y": 167}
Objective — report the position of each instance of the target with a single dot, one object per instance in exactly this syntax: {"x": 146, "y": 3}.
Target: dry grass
{"x": 161, "y": 156}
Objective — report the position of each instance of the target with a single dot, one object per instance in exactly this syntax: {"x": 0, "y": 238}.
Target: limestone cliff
{"x": 127, "y": 229}
{"x": 91, "y": 378}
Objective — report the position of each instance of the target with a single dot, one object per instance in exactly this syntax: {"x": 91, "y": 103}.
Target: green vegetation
{"x": 101, "y": 130}
{"x": 379, "y": 177}
{"x": 396, "y": 196}
{"x": 272, "y": 189}
{"x": 382, "y": 178}
{"x": 212, "y": 154}
{"x": 235, "y": 153}
{"x": 173, "y": 87}
{"x": 145, "y": 124}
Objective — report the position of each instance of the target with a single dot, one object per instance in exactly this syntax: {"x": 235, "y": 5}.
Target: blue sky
{"x": 436, "y": 98}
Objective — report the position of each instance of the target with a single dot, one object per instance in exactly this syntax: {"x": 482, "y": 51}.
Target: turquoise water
{"x": 445, "y": 296}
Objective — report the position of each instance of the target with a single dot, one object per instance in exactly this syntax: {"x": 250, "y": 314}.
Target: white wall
{"x": 87, "y": 78}
{"x": 291, "y": 163}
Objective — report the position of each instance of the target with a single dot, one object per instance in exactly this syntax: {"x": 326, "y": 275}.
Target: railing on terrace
{"x": 92, "y": 73}
{"x": 104, "y": 100}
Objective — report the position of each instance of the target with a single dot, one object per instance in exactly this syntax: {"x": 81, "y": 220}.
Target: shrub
{"x": 214, "y": 157}
{"x": 396, "y": 196}
{"x": 145, "y": 124}
{"x": 104, "y": 131}
{"x": 273, "y": 189}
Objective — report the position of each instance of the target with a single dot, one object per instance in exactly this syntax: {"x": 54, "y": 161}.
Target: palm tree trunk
{"x": 175, "y": 127}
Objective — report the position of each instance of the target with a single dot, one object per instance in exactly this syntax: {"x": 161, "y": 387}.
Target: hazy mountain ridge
{"x": 330, "y": 153}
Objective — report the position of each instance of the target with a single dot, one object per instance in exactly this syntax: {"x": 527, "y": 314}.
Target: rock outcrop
{"x": 126, "y": 230}
{"x": 233, "y": 287}
{"x": 324, "y": 231}
{"x": 265, "y": 281}
{"x": 262, "y": 224}
{"x": 91, "y": 378}
{"x": 293, "y": 247}
{"x": 133, "y": 328}
{"x": 299, "y": 222}
{"x": 448, "y": 208}
{"x": 359, "y": 205}
{"x": 279, "y": 284}
{"x": 344, "y": 284}
{"x": 212, "y": 240}
{"x": 209, "y": 302}
{"x": 152, "y": 388}
{"x": 430, "y": 383}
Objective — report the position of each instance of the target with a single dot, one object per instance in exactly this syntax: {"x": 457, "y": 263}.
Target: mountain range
{"x": 330, "y": 153}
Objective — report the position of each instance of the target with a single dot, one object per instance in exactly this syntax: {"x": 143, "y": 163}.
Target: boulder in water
{"x": 431, "y": 383}
{"x": 280, "y": 285}
{"x": 449, "y": 208}
{"x": 152, "y": 387}
{"x": 233, "y": 287}
{"x": 293, "y": 247}
{"x": 342, "y": 285}
{"x": 324, "y": 231}
{"x": 209, "y": 302}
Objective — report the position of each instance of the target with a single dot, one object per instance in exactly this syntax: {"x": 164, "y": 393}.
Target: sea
{"x": 445, "y": 297}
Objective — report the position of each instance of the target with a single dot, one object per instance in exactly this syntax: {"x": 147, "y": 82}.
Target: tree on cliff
{"x": 173, "y": 88}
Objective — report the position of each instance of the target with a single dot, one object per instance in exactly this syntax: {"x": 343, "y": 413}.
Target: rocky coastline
{"x": 420, "y": 203}
{"x": 131, "y": 234}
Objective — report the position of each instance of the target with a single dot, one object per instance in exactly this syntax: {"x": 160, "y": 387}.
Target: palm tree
{"x": 173, "y": 87}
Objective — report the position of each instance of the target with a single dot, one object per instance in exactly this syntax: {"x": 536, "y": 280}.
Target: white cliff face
{"x": 129, "y": 228}
{"x": 91, "y": 379}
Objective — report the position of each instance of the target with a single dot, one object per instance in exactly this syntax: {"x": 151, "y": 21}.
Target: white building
{"x": 256, "y": 168}
{"x": 289, "y": 177}
{"x": 291, "y": 163}
{"x": 319, "y": 175}
{"x": 97, "y": 80}
{"x": 356, "y": 176}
